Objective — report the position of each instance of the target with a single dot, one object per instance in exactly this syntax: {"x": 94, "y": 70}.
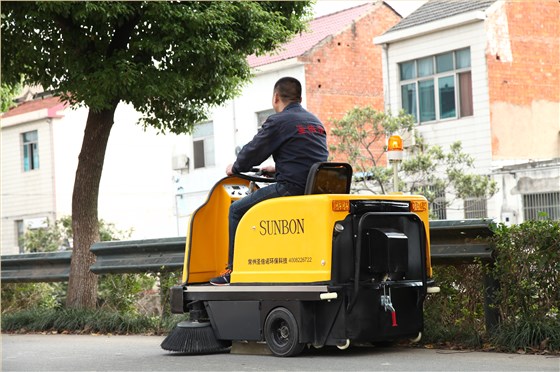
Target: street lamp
{"x": 395, "y": 155}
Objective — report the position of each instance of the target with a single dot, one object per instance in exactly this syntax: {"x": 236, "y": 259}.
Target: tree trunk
{"x": 82, "y": 284}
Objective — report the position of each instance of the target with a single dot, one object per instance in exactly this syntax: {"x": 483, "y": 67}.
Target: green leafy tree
{"x": 47, "y": 239}
{"x": 7, "y": 95}
{"x": 58, "y": 235}
{"x": 170, "y": 60}
{"x": 359, "y": 137}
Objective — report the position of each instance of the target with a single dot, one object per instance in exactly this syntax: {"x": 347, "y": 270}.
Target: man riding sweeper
{"x": 295, "y": 138}
{"x": 323, "y": 268}
{"x": 315, "y": 267}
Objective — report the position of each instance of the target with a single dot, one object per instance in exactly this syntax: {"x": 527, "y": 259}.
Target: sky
{"x": 404, "y": 7}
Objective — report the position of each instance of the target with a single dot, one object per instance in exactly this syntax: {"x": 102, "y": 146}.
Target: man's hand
{"x": 229, "y": 171}
{"x": 268, "y": 169}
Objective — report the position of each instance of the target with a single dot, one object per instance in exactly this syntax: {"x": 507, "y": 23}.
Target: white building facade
{"x": 40, "y": 147}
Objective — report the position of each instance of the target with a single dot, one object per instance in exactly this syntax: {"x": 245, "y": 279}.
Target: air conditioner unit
{"x": 180, "y": 162}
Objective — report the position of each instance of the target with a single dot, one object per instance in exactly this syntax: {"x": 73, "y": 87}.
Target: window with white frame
{"x": 262, "y": 116}
{"x": 541, "y": 206}
{"x": 475, "y": 208}
{"x": 203, "y": 145}
{"x": 437, "y": 87}
{"x": 30, "y": 151}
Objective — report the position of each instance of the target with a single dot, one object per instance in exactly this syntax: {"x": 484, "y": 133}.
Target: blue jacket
{"x": 295, "y": 138}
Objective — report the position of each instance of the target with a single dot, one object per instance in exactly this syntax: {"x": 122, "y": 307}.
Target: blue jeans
{"x": 241, "y": 206}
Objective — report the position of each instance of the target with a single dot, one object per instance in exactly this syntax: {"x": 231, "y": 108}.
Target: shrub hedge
{"x": 526, "y": 266}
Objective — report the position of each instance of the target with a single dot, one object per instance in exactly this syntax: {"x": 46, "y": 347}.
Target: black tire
{"x": 281, "y": 333}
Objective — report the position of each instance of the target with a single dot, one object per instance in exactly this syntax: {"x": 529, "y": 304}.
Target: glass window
{"x": 446, "y": 86}
{"x": 463, "y": 58}
{"x": 439, "y": 90}
{"x": 30, "y": 142}
{"x": 444, "y": 62}
{"x": 203, "y": 145}
{"x": 408, "y": 93}
{"x": 427, "y": 103}
{"x": 407, "y": 70}
{"x": 426, "y": 66}
{"x": 198, "y": 152}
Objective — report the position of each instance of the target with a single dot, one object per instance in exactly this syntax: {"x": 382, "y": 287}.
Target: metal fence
{"x": 452, "y": 242}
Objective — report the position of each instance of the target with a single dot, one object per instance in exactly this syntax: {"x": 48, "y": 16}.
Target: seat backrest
{"x": 329, "y": 178}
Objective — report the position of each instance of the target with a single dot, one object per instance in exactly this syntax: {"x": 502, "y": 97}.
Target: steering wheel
{"x": 256, "y": 175}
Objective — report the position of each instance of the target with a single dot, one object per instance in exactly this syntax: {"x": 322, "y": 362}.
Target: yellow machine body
{"x": 282, "y": 240}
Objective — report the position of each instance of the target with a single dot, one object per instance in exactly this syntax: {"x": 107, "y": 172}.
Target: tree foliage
{"x": 58, "y": 235}
{"x": 528, "y": 269}
{"x": 7, "y": 95}
{"x": 360, "y": 138}
{"x": 170, "y": 60}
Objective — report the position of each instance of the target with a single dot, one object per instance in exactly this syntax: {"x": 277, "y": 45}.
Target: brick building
{"x": 487, "y": 73}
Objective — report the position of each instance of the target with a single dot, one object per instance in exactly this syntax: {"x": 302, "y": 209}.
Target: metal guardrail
{"x": 460, "y": 241}
{"x": 136, "y": 256}
{"x": 36, "y": 267}
{"x": 452, "y": 242}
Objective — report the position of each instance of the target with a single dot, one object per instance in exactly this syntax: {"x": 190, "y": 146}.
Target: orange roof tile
{"x": 318, "y": 29}
{"x": 52, "y": 104}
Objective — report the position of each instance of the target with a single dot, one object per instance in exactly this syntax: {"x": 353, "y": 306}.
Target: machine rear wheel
{"x": 281, "y": 333}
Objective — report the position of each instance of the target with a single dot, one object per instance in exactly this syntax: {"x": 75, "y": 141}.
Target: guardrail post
{"x": 491, "y": 312}
{"x": 467, "y": 242}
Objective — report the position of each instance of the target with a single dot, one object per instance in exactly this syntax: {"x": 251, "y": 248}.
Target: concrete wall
{"x": 516, "y": 180}
{"x": 523, "y": 60}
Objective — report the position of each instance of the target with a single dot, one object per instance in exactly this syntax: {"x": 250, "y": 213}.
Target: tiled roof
{"x": 318, "y": 29}
{"x": 52, "y": 104}
{"x": 438, "y": 9}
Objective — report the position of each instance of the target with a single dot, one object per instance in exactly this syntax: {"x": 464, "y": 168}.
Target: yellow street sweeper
{"x": 324, "y": 268}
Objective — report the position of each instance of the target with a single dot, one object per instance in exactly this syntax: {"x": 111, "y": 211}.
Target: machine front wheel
{"x": 281, "y": 333}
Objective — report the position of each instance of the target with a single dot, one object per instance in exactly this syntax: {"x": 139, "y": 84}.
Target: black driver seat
{"x": 329, "y": 178}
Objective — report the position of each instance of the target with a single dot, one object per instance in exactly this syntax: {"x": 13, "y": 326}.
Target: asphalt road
{"x": 143, "y": 353}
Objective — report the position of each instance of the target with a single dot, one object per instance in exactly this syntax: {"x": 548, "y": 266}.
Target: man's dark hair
{"x": 289, "y": 89}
